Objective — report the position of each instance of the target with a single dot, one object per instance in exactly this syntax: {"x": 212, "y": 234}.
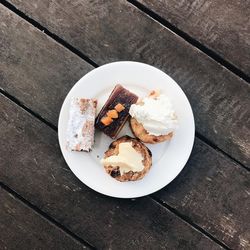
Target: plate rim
{"x": 191, "y": 143}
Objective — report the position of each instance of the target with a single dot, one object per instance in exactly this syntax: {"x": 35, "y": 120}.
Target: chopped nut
{"x": 119, "y": 107}
{"x": 106, "y": 120}
{"x": 112, "y": 113}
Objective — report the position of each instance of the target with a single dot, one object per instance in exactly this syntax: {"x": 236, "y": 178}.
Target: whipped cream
{"x": 156, "y": 115}
{"x": 128, "y": 159}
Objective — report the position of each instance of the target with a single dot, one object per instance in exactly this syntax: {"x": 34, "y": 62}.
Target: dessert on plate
{"x": 80, "y": 131}
{"x": 115, "y": 111}
{"x": 127, "y": 159}
{"x": 153, "y": 118}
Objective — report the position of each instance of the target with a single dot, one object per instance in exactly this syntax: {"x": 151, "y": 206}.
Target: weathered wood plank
{"x": 215, "y": 193}
{"x": 115, "y": 30}
{"x": 35, "y": 69}
{"x": 202, "y": 220}
{"x": 22, "y": 228}
{"x": 39, "y": 174}
{"x": 223, "y": 26}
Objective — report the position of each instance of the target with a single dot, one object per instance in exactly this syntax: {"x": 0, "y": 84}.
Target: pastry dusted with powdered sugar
{"x": 80, "y": 132}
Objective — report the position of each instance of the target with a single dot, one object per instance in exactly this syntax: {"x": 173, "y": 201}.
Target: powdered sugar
{"x": 80, "y": 132}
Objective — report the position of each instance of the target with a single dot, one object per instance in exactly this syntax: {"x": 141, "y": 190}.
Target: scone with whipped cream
{"x": 127, "y": 159}
{"x": 153, "y": 118}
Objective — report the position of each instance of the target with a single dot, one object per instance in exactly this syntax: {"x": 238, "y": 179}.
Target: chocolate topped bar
{"x": 115, "y": 111}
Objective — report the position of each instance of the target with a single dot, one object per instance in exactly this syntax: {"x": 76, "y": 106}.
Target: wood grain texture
{"x": 39, "y": 174}
{"x": 214, "y": 193}
{"x": 221, "y": 25}
{"x": 35, "y": 69}
{"x": 202, "y": 216}
{"x": 115, "y": 30}
{"x": 22, "y": 228}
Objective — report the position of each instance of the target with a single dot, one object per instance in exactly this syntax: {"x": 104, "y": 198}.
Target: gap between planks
{"x": 39, "y": 117}
{"x": 212, "y": 145}
{"x": 45, "y": 216}
{"x": 163, "y": 204}
{"x": 94, "y": 64}
{"x": 209, "y": 52}
{"x": 20, "y": 104}
{"x": 67, "y": 231}
{"x": 189, "y": 221}
{"x": 48, "y": 33}
{"x": 180, "y": 33}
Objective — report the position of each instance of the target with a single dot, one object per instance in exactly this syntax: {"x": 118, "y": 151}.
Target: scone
{"x": 153, "y": 118}
{"x": 141, "y": 133}
{"x": 127, "y": 159}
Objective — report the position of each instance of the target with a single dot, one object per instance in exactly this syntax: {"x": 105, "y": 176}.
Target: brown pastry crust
{"x": 139, "y": 147}
{"x": 140, "y": 132}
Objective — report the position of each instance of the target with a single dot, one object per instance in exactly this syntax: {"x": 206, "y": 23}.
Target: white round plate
{"x": 169, "y": 158}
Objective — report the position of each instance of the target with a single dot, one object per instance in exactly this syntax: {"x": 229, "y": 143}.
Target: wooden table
{"x": 46, "y": 46}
